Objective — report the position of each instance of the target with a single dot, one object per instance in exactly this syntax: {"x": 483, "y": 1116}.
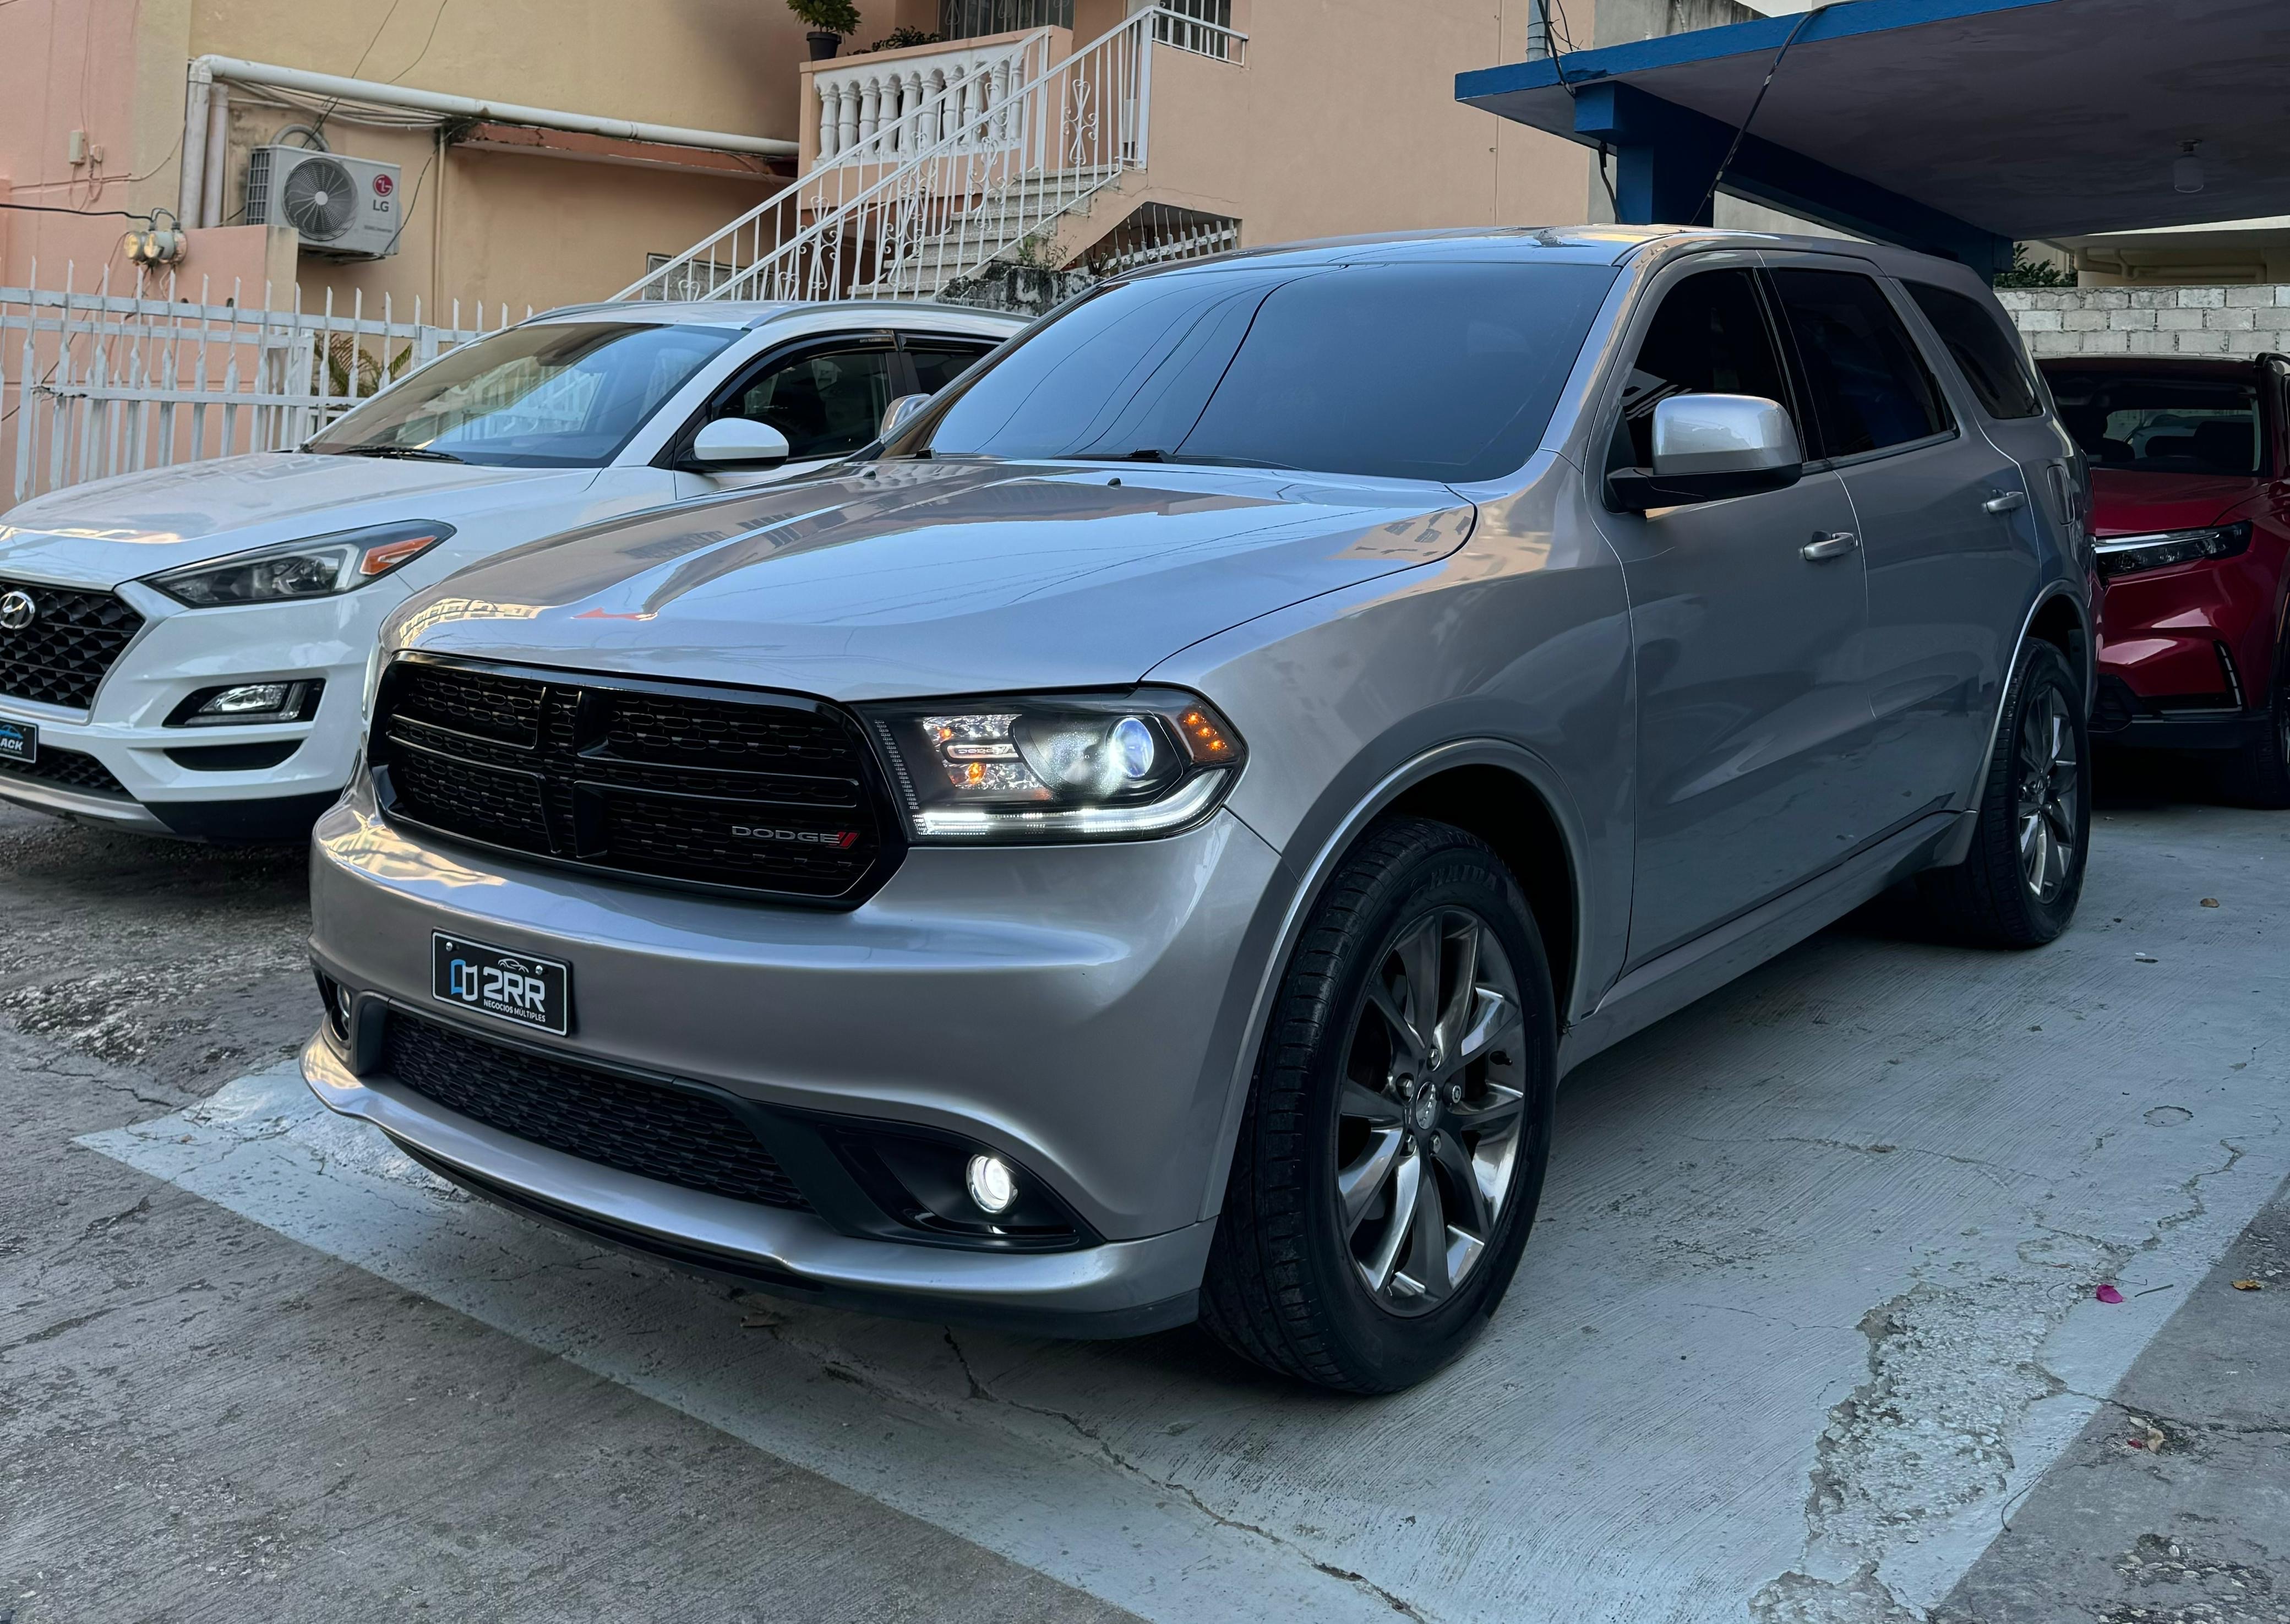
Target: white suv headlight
{"x": 1058, "y": 767}
{"x": 319, "y": 567}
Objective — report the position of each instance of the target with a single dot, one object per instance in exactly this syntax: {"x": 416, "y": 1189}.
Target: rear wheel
{"x": 2258, "y": 774}
{"x": 2019, "y": 885}
{"x": 1391, "y": 1158}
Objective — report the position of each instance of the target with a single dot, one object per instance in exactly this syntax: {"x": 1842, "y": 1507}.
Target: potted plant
{"x": 830, "y": 20}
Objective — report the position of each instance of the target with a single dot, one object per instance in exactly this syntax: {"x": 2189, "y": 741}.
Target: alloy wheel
{"x": 2049, "y": 783}
{"x": 1430, "y": 1116}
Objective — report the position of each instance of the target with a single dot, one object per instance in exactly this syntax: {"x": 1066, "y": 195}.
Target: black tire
{"x": 1285, "y": 1287}
{"x": 2258, "y": 774}
{"x": 1991, "y": 899}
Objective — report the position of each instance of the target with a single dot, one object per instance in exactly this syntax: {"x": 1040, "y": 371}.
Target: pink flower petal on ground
{"x": 2108, "y": 1293}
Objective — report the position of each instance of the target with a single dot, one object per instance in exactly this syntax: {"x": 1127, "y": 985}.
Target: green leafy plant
{"x": 827, "y": 16}
{"x": 2026, "y": 273}
{"x": 899, "y": 39}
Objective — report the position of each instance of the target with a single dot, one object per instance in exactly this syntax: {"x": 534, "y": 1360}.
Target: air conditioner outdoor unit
{"x": 344, "y": 207}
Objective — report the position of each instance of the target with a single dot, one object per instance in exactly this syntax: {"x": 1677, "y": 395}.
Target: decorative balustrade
{"x": 922, "y": 97}
{"x": 966, "y": 152}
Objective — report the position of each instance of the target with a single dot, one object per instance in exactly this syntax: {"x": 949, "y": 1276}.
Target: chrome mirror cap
{"x": 899, "y": 412}
{"x": 1723, "y": 434}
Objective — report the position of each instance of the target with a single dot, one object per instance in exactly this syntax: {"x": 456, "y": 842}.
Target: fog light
{"x": 993, "y": 1186}
{"x": 248, "y": 697}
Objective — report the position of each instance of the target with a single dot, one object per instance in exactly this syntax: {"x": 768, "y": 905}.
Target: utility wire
{"x": 1710, "y": 197}
{"x": 1559, "y": 38}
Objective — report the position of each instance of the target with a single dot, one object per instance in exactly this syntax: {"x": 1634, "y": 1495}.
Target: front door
{"x": 1751, "y": 715}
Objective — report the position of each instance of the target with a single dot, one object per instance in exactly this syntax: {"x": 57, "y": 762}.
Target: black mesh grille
{"x": 648, "y": 1129}
{"x": 68, "y": 768}
{"x": 59, "y": 657}
{"x": 765, "y": 793}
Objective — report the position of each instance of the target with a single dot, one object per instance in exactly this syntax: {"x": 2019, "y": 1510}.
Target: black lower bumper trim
{"x": 731, "y": 1269}
{"x": 283, "y": 818}
{"x": 2186, "y": 732}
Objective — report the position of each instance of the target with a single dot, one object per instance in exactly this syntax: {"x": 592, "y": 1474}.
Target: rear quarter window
{"x": 1989, "y": 356}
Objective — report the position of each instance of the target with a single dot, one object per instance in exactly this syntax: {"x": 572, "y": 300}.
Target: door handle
{"x": 2005, "y": 501}
{"x": 1835, "y": 545}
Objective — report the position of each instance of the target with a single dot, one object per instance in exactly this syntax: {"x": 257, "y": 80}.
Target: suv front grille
{"x": 59, "y": 656}
{"x": 769, "y": 794}
{"x": 649, "y": 1129}
{"x": 68, "y": 768}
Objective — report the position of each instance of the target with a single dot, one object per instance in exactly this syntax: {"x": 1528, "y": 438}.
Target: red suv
{"x": 2190, "y": 509}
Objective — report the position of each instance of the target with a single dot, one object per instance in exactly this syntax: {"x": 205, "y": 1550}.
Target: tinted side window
{"x": 827, "y": 402}
{"x": 1868, "y": 387}
{"x": 1709, "y": 337}
{"x": 938, "y": 362}
{"x": 1989, "y": 355}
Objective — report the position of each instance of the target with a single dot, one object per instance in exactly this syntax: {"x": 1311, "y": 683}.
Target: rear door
{"x": 1750, "y": 716}
{"x": 1945, "y": 528}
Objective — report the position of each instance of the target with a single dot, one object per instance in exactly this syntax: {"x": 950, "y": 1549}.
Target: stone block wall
{"x": 2239, "y": 320}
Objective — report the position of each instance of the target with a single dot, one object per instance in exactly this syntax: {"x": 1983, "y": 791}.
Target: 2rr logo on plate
{"x": 520, "y": 986}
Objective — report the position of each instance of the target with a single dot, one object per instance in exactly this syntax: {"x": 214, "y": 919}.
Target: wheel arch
{"x": 1493, "y": 789}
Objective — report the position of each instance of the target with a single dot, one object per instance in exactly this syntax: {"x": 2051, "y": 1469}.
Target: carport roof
{"x": 1922, "y": 121}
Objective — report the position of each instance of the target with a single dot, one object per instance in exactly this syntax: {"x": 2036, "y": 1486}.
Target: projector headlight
{"x": 1058, "y": 767}
{"x": 319, "y": 567}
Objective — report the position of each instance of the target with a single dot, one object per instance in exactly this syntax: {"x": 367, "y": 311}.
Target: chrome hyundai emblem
{"x": 17, "y": 610}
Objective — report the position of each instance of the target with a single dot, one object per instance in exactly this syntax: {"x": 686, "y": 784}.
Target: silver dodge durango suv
{"x": 1144, "y": 840}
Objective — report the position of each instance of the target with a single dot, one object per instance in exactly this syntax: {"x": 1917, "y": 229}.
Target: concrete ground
{"x": 1808, "y": 1330}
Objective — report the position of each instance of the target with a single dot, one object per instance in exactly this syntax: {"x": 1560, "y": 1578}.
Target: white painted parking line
{"x": 1810, "y": 1305}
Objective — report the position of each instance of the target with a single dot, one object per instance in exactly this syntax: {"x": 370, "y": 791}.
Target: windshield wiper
{"x": 411, "y": 453}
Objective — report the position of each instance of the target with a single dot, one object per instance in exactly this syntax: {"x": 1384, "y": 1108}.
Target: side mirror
{"x": 1707, "y": 447}
{"x": 899, "y": 412}
{"x": 733, "y": 443}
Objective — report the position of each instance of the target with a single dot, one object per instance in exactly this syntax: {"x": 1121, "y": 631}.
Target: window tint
{"x": 550, "y": 395}
{"x": 940, "y": 362}
{"x": 1709, "y": 337}
{"x": 1444, "y": 371}
{"x": 1989, "y": 357}
{"x": 1868, "y": 387}
{"x": 827, "y": 403}
{"x": 2161, "y": 424}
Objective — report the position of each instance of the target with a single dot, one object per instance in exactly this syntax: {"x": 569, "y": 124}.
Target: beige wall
{"x": 1345, "y": 120}
{"x": 520, "y": 229}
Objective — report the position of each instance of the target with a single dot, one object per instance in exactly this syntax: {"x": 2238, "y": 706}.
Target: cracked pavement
{"x": 1807, "y": 1334}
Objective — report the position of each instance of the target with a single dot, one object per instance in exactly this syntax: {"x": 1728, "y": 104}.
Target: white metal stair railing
{"x": 950, "y": 183}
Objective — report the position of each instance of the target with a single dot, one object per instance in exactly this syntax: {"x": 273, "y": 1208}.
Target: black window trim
{"x": 1853, "y": 265}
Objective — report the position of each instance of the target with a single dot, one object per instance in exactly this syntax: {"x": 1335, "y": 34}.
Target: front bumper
{"x": 1078, "y": 1009}
{"x": 151, "y": 777}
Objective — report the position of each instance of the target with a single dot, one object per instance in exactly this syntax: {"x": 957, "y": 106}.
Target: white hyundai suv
{"x": 182, "y": 650}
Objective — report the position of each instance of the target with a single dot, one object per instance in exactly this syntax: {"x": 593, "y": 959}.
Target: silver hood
{"x": 934, "y": 577}
{"x": 113, "y": 530}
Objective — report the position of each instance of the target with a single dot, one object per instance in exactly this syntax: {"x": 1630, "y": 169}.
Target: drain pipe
{"x": 207, "y": 110}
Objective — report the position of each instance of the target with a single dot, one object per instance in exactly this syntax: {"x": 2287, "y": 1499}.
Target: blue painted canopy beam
{"x": 1666, "y": 157}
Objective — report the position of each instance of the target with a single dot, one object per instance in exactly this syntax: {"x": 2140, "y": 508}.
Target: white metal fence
{"x": 96, "y": 382}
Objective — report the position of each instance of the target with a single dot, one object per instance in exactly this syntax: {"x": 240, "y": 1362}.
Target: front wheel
{"x": 2019, "y": 885}
{"x": 1391, "y": 1158}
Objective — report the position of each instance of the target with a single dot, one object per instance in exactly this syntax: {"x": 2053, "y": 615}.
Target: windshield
{"x": 556, "y": 395}
{"x": 1440, "y": 372}
{"x": 2159, "y": 424}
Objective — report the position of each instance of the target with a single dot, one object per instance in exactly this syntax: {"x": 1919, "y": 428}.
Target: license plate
{"x": 519, "y": 986}
{"x": 18, "y": 741}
